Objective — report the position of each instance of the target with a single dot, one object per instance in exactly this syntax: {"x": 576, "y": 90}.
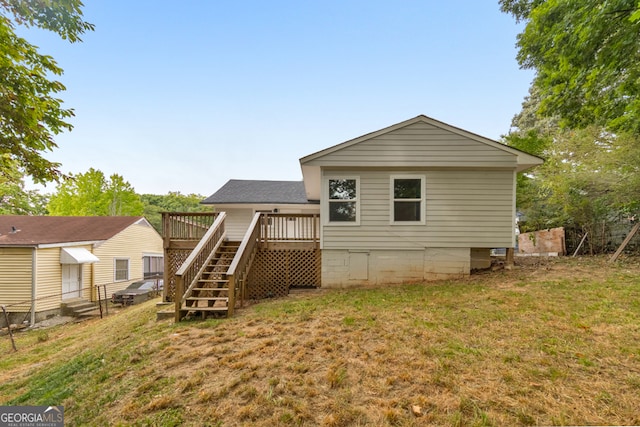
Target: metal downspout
{"x": 34, "y": 279}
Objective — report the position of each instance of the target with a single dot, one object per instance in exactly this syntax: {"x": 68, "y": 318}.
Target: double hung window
{"x": 407, "y": 199}
{"x": 121, "y": 267}
{"x": 343, "y": 200}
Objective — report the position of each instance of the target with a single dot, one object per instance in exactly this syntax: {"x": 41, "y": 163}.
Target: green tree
{"x": 586, "y": 54}
{"x": 14, "y": 198}
{"x": 92, "y": 194}
{"x": 122, "y": 198}
{"x": 174, "y": 201}
{"x": 589, "y": 181}
{"x": 30, "y": 112}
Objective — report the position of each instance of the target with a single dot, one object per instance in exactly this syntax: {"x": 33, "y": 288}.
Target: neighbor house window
{"x": 121, "y": 269}
{"x": 152, "y": 266}
{"x": 407, "y": 199}
{"x": 343, "y": 202}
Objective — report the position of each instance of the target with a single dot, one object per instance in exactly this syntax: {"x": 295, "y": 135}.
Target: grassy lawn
{"x": 555, "y": 342}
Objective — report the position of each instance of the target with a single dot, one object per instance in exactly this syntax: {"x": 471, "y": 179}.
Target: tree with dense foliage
{"x": 589, "y": 182}
{"x": 92, "y": 194}
{"x": 15, "y": 199}
{"x": 582, "y": 114}
{"x": 586, "y": 54}
{"x": 174, "y": 201}
{"x": 30, "y": 112}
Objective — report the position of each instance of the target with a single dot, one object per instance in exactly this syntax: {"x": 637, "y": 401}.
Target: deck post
{"x": 232, "y": 295}
{"x": 178, "y": 296}
{"x": 509, "y": 258}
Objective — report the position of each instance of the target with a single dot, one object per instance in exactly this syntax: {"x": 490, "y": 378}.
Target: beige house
{"x": 415, "y": 201}
{"x": 45, "y": 260}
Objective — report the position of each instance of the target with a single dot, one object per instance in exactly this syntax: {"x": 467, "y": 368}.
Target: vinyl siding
{"x": 48, "y": 279}
{"x": 418, "y": 145}
{"x": 15, "y": 280}
{"x": 464, "y": 209}
{"x": 237, "y": 222}
{"x": 238, "y": 219}
{"x": 130, "y": 243}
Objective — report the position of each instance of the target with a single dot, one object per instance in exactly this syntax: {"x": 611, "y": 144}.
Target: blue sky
{"x": 182, "y": 96}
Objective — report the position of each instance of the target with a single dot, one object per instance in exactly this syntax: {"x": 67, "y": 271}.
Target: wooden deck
{"x": 278, "y": 252}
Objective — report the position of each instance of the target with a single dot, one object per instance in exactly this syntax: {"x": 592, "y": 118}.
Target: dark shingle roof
{"x": 259, "y": 192}
{"x": 35, "y": 230}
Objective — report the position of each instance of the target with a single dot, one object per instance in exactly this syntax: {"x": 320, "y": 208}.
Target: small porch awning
{"x": 77, "y": 256}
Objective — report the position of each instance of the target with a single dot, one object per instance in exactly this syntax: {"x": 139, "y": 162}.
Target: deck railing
{"x": 188, "y": 273}
{"x": 186, "y": 225}
{"x": 239, "y": 268}
{"x": 277, "y": 227}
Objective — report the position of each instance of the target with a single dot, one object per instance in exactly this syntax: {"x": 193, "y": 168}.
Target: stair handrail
{"x": 242, "y": 261}
{"x": 196, "y": 262}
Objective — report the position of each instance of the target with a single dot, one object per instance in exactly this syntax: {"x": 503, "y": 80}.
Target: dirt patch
{"x": 54, "y": 321}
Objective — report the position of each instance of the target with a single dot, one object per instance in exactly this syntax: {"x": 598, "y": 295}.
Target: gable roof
{"x": 40, "y": 230}
{"x": 524, "y": 159}
{"x": 436, "y": 144}
{"x": 238, "y": 191}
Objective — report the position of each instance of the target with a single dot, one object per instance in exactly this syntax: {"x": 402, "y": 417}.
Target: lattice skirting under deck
{"x": 174, "y": 258}
{"x": 275, "y": 271}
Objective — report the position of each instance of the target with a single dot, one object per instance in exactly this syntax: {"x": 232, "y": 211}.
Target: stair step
{"x": 213, "y": 281}
{"x": 204, "y": 308}
{"x": 76, "y": 304}
{"x": 211, "y": 289}
{"x": 207, "y": 298}
{"x": 77, "y": 307}
{"x": 86, "y": 310}
{"x": 88, "y": 313}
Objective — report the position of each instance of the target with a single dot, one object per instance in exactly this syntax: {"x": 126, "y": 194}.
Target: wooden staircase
{"x": 210, "y": 297}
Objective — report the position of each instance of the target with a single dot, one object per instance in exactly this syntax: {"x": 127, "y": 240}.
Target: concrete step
{"x": 87, "y": 311}
{"x": 165, "y": 314}
{"x": 166, "y": 310}
{"x": 77, "y": 307}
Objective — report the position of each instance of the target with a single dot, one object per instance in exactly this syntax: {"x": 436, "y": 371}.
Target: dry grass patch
{"x": 556, "y": 342}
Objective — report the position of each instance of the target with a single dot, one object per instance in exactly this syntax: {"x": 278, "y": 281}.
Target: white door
{"x": 71, "y": 279}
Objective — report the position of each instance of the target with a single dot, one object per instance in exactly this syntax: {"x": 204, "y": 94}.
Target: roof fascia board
{"x": 221, "y": 206}
{"x": 69, "y": 244}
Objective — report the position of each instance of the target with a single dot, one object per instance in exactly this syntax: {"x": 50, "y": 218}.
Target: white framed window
{"x": 152, "y": 266}
{"x": 343, "y": 200}
{"x": 407, "y": 199}
{"x": 120, "y": 269}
